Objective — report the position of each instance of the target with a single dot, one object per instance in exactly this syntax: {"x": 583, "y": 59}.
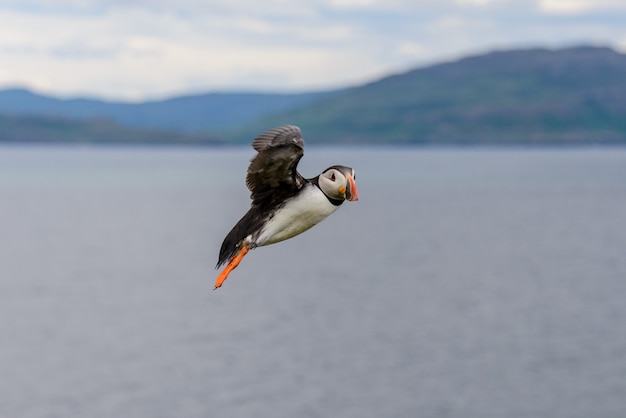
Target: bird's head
{"x": 337, "y": 182}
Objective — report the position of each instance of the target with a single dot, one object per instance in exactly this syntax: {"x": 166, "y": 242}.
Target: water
{"x": 464, "y": 283}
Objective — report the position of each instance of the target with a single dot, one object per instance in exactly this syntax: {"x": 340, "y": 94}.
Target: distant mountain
{"x": 196, "y": 113}
{"x": 535, "y": 96}
{"x": 43, "y": 129}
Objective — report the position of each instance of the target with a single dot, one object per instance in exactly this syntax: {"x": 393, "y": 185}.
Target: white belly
{"x": 301, "y": 213}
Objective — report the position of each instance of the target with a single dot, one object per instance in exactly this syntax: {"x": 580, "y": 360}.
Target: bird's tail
{"x": 237, "y": 236}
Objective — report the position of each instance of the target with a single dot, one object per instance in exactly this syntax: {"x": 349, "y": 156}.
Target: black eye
{"x": 332, "y": 177}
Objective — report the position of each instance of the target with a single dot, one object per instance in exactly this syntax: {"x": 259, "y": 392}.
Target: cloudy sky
{"x": 148, "y": 49}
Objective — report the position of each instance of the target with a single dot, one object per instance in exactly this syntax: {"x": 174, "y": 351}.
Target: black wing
{"x": 272, "y": 174}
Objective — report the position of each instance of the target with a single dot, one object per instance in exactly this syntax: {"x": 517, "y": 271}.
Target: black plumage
{"x": 272, "y": 178}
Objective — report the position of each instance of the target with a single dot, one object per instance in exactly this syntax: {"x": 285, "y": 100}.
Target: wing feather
{"x": 272, "y": 174}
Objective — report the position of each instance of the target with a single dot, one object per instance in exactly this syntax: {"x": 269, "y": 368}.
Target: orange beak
{"x": 351, "y": 191}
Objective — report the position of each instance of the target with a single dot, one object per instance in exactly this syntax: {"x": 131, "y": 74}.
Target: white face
{"x": 333, "y": 184}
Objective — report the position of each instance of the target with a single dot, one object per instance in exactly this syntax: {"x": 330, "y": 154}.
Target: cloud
{"x": 581, "y": 6}
{"x": 131, "y": 52}
{"x": 136, "y": 49}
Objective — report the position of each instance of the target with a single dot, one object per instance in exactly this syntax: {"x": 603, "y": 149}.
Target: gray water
{"x": 464, "y": 283}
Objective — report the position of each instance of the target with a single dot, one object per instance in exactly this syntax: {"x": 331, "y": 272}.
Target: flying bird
{"x": 284, "y": 204}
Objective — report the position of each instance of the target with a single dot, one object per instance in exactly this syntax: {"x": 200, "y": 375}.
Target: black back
{"x": 272, "y": 178}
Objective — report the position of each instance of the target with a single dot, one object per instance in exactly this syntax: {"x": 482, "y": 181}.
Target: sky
{"x": 134, "y": 50}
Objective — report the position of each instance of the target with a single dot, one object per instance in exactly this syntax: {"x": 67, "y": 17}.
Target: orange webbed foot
{"x": 232, "y": 265}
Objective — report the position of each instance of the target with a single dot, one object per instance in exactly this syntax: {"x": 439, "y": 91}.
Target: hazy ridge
{"x": 534, "y": 96}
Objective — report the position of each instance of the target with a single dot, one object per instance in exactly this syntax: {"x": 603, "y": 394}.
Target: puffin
{"x": 284, "y": 203}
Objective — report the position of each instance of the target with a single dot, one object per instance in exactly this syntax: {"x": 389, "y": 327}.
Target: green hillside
{"x": 535, "y": 96}
{"x": 538, "y": 96}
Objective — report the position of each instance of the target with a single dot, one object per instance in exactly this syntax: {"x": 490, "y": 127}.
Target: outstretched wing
{"x": 272, "y": 174}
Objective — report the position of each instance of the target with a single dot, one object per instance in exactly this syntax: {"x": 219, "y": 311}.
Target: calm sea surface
{"x": 470, "y": 283}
